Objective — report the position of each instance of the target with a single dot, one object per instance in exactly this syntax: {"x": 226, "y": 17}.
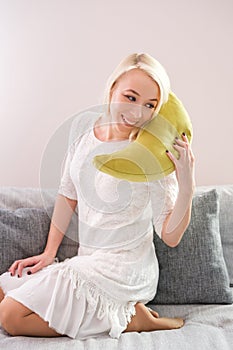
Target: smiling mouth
{"x": 127, "y": 122}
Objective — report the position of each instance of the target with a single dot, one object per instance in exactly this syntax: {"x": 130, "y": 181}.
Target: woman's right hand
{"x": 36, "y": 263}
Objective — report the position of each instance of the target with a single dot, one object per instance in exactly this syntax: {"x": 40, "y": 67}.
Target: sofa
{"x": 195, "y": 283}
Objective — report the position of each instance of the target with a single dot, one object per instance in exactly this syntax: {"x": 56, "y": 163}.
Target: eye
{"x": 134, "y": 99}
{"x": 129, "y": 97}
{"x": 151, "y": 106}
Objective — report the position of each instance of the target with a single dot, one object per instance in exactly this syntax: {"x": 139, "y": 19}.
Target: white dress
{"x": 95, "y": 292}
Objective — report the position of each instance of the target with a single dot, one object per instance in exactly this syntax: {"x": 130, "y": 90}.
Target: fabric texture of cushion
{"x": 23, "y": 233}
{"x": 195, "y": 270}
{"x": 145, "y": 159}
{"x": 226, "y": 227}
{"x": 225, "y": 222}
{"x": 12, "y": 197}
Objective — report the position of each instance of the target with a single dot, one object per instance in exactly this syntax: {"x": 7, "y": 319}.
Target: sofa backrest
{"x": 26, "y": 197}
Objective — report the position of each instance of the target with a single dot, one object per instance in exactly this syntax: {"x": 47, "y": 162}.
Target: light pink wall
{"x": 56, "y": 56}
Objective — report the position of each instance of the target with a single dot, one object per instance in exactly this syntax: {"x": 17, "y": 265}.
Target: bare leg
{"x": 1, "y": 294}
{"x": 17, "y": 319}
{"x": 146, "y": 321}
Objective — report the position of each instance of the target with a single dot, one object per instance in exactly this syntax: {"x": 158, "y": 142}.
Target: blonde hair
{"x": 150, "y": 66}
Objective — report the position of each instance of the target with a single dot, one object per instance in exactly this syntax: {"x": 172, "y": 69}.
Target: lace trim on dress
{"x": 119, "y": 314}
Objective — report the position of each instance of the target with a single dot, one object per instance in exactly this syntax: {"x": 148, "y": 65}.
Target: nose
{"x": 136, "y": 112}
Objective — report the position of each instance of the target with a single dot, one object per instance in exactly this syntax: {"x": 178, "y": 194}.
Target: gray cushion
{"x": 12, "y": 197}
{"x": 226, "y": 226}
{"x": 23, "y": 233}
{"x": 225, "y": 222}
{"x": 195, "y": 270}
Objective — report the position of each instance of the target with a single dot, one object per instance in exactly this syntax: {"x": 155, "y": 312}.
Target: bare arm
{"x": 62, "y": 213}
{"x": 178, "y": 220}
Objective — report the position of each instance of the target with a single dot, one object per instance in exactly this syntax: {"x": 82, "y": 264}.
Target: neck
{"x": 107, "y": 131}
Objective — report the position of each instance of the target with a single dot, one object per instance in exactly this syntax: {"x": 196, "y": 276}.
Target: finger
{"x": 24, "y": 263}
{"x": 14, "y": 267}
{"x": 179, "y": 148}
{"x": 182, "y": 151}
{"x": 185, "y": 137}
{"x": 183, "y": 143}
{"x": 171, "y": 156}
{"x": 192, "y": 156}
{"x": 187, "y": 146}
{"x": 36, "y": 268}
{"x": 21, "y": 266}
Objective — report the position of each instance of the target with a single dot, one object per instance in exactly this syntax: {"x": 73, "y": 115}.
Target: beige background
{"x": 56, "y": 56}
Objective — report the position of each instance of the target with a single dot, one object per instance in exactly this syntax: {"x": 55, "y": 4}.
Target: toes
{"x": 154, "y": 313}
{"x": 181, "y": 322}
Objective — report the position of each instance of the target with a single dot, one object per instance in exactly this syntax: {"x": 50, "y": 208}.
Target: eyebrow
{"x": 136, "y": 93}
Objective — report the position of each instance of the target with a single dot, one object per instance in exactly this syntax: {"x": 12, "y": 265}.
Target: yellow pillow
{"x": 145, "y": 159}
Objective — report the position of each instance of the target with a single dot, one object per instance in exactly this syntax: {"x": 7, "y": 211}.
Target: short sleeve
{"x": 66, "y": 187}
{"x": 163, "y": 195}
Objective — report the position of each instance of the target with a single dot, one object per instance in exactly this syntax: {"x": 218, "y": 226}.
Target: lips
{"x": 127, "y": 122}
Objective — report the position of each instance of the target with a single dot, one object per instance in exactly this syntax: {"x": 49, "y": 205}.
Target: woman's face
{"x": 133, "y": 101}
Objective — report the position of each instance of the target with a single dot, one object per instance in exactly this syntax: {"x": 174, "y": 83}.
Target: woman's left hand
{"x": 184, "y": 165}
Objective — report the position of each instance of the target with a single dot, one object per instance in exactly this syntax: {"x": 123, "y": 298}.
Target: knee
{"x": 8, "y": 320}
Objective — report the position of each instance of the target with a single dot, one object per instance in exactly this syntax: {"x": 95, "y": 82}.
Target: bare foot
{"x": 164, "y": 323}
{"x": 146, "y": 320}
{"x": 153, "y": 313}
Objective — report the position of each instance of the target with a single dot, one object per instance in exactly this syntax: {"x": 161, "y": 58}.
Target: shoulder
{"x": 165, "y": 180}
{"x": 81, "y": 125}
{"x": 170, "y": 179}
{"x": 168, "y": 185}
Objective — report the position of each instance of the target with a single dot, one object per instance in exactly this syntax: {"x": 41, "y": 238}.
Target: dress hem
{"x": 118, "y": 314}
{"x": 107, "y": 304}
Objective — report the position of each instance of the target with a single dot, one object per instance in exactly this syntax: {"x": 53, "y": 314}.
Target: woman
{"x": 104, "y": 289}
